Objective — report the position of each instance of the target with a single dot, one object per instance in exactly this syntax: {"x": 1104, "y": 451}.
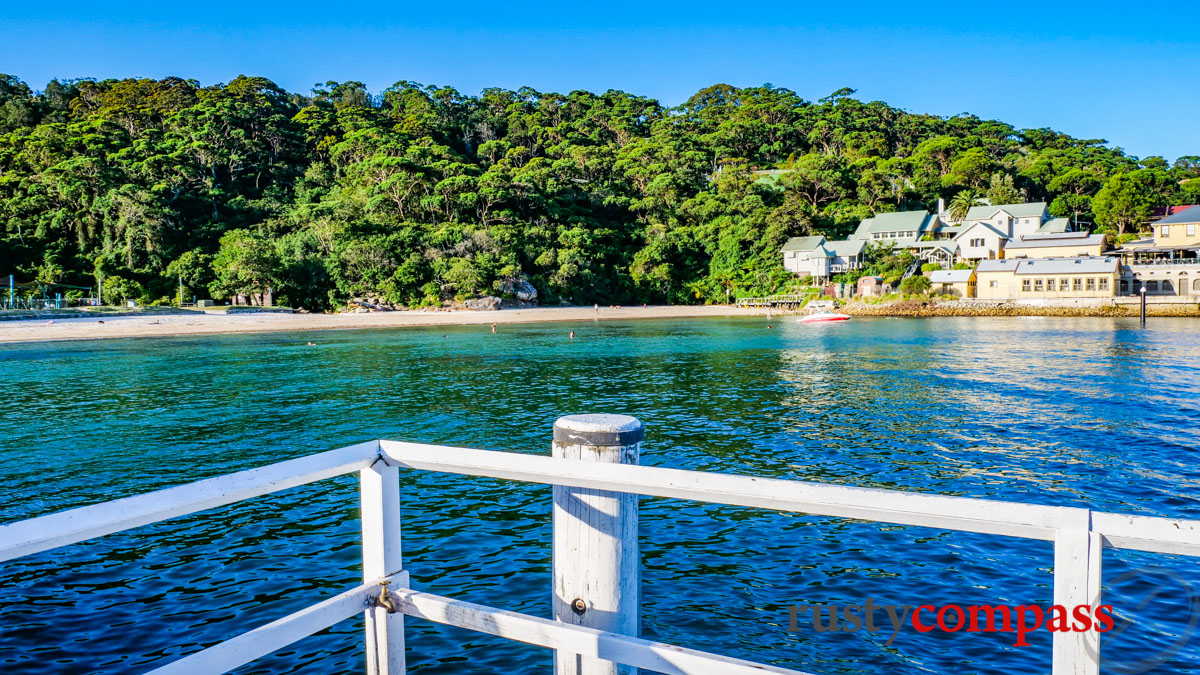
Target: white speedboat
{"x": 823, "y": 316}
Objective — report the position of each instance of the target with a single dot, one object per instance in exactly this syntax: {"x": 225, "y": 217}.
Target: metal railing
{"x": 1164, "y": 262}
{"x": 594, "y": 471}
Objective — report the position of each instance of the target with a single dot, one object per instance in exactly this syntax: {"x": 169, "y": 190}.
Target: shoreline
{"x": 198, "y": 322}
{"x": 925, "y": 308}
{"x": 104, "y": 327}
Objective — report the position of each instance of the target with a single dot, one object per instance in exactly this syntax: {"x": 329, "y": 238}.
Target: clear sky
{"x": 1130, "y": 75}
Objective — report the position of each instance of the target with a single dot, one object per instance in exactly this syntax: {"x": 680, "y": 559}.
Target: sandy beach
{"x": 201, "y": 323}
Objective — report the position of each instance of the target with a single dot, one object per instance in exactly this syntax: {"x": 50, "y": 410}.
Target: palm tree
{"x": 962, "y": 202}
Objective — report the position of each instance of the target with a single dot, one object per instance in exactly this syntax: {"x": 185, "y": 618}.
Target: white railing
{"x": 772, "y": 300}
{"x": 593, "y": 468}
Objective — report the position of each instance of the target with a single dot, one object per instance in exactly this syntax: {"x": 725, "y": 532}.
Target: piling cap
{"x": 609, "y": 430}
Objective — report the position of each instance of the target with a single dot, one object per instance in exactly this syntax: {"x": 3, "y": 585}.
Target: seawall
{"x": 936, "y": 307}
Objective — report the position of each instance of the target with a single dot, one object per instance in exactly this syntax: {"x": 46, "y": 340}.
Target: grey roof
{"x": 822, "y": 252}
{"x": 1018, "y": 210}
{"x": 898, "y": 221}
{"x": 948, "y": 244}
{"x": 968, "y": 228}
{"x": 1055, "y": 225}
{"x": 951, "y": 276}
{"x": 803, "y": 243}
{"x": 1053, "y": 240}
{"x": 846, "y": 247}
{"x": 1188, "y": 215}
{"x": 1009, "y": 265}
{"x": 1084, "y": 265}
{"x": 863, "y": 231}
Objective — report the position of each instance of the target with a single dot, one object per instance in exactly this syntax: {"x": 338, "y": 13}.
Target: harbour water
{"x": 1081, "y": 412}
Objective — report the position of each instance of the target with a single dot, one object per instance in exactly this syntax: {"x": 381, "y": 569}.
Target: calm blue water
{"x": 1082, "y": 412}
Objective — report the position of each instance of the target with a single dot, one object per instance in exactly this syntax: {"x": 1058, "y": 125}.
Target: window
{"x": 1104, "y": 283}
{"x": 1077, "y": 284}
{"x": 980, "y": 243}
{"x": 992, "y": 283}
{"x": 1063, "y": 284}
{"x": 1167, "y": 286}
{"x": 1151, "y": 286}
{"x": 1025, "y": 285}
{"x": 1191, "y": 230}
{"x": 1166, "y": 230}
{"x": 1091, "y": 283}
{"x": 1037, "y": 285}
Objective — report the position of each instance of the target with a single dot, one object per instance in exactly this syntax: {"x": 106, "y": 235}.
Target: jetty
{"x": 785, "y": 301}
{"x": 595, "y": 477}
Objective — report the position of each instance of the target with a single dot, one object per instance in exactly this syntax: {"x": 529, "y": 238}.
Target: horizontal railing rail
{"x": 790, "y": 299}
{"x": 385, "y": 596}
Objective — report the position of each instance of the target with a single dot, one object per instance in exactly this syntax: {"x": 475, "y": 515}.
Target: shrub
{"x": 930, "y": 267}
{"x": 916, "y": 285}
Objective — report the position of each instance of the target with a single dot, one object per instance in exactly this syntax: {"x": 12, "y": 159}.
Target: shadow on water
{"x": 1081, "y": 412}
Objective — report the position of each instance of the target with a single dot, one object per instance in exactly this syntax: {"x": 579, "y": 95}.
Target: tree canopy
{"x": 421, "y": 194}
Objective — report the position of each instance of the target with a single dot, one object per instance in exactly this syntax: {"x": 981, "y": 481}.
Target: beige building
{"x": 1036, "y": 278}
{"x": 959, "y": 283}
{"x": 1179, "y": 229}
{"x": 1059, "y": 245}
{"x": 995, "y": 279}
{"x": 1068, "y": 278}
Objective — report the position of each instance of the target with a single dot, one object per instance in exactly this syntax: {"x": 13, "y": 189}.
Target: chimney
{"x": 941, "y": 206}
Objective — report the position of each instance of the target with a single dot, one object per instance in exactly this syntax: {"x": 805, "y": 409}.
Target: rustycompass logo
{"x": 1020, "y": 620}
{"x": 1171, "y": 601}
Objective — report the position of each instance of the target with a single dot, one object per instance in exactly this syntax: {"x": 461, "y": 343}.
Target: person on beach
{"x": 493, "y": 328}
{"x": 597, "y": 306}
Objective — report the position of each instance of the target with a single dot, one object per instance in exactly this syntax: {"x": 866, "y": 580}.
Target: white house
{"x": 815, "y": 257}
{"x": 980, "y": 240}
{"x": 1011, "y": 220}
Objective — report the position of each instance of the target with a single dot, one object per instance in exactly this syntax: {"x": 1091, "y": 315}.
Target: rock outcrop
{"x": 486, "y": 303}
{"x": 521, "y": 289}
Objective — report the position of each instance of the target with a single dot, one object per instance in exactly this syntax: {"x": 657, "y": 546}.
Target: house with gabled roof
{"x": 1180, "y": 229}
{"x": 901, "y": 227}
{"x": 818, "y": 258}
{"x": 980, "y": 240}
{"x": 1011, "y": 220}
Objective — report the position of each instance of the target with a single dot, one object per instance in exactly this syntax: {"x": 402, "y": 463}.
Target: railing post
{"x": 597, "y": 568}
{"x": 380, "y": 492}
{"x": 1076, "y": 582}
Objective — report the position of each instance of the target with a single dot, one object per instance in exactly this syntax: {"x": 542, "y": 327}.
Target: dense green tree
{"x": 422, "y": 195}
{"x": 1128, "y": 199}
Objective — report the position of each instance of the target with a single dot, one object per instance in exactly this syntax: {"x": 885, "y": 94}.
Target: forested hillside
{"x": 421, "y": 194}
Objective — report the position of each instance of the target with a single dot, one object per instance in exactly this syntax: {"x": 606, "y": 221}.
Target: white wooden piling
{"x": 597, "y": 568}
{"x": 1077, "y": 553}
{"x": 380, "y": 493}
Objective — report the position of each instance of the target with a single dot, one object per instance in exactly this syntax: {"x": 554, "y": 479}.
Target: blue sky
{"x": 1131, "y": 76}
